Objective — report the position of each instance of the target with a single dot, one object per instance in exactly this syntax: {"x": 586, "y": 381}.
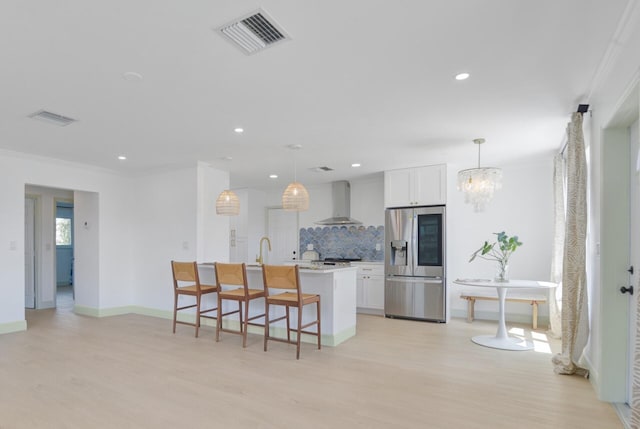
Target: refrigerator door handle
{"x": 437, "y": 280}
{"x": 414, "y": 243}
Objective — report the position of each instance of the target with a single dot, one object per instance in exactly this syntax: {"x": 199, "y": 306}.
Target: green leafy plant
{"x": 500, "y": 251}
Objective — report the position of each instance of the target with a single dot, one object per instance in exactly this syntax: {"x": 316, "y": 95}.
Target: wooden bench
{"x": 474, "y": 295}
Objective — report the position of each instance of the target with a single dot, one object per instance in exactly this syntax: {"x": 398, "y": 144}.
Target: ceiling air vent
{"x": 321, "y": 169}
{"x": 254, "y": 32}
{"x": 52, "y": 118}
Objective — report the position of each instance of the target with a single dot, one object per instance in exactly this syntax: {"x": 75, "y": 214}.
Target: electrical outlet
{"x": 378, "y": 247}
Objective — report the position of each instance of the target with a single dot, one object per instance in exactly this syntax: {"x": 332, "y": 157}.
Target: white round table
{"x": 502, "y": 340}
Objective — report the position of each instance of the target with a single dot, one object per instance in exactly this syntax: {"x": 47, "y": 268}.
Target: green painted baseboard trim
{"x": 102, "y": 312}
{"x": 17, "y": 326}
{"x": 326, "y": 340}
{"x": 525, "y": 319}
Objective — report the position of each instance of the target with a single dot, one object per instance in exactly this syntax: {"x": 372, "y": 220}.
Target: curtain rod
{"x": 582, "y": 109}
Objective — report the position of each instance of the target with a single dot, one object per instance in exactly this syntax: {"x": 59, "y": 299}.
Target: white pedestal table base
{"x": 502, "y": 340}
{"x": 508, "y": 343}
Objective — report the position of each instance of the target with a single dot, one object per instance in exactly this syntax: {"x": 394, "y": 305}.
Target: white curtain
{"x": 575, "y": 323}
{"x": 555, "y": 295}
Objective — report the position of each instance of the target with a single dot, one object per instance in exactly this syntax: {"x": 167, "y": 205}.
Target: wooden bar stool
{"x": 288, "y": 278}
{"x": 186, "y": 281}
{"x": 236, "y": 275}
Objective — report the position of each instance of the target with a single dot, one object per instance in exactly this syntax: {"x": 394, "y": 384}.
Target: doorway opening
{"x": 64, "y": 255}
{"x": 49, "y": 247}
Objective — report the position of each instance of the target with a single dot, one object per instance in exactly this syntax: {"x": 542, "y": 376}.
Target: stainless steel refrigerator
{"x": 415, "y": 283}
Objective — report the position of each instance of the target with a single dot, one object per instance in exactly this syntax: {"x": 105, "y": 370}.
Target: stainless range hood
{"x": 341, "y": 198}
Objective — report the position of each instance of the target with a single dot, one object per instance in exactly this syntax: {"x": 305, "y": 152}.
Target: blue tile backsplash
{"x": 344, "y": 241}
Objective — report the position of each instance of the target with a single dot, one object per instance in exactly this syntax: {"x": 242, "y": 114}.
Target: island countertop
{"x": 337, "y": 290}
{"x": 303, "y": 269}
{"x": 310, "y": 270}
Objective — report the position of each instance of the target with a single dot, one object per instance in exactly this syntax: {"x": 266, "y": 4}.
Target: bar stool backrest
{"x": 231, "y": 274}
{"x": 281, "y": 277}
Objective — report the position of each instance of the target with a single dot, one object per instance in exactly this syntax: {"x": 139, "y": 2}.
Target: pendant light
{"x": 295, "y": 197}
{"x": 228, "y": 203}
{"x": 479, "y": 184}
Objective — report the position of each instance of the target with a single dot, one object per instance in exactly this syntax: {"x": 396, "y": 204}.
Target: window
{"x": 63, "y": 232}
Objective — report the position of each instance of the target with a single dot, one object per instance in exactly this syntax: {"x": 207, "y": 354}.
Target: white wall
{"x": 164, "y": 226}
{"x": 19, "y": 170}
{"x": 212, "y": 234}
{"x": 523, "y": 207}
{"x": 367, "y": 200}
{"x": 135, "y": 226}
{"x": 175, "y": 219}
{"x": 87, "y": 253}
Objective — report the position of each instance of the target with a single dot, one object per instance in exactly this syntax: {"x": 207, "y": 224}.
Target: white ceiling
{"x": 360, "y": 81}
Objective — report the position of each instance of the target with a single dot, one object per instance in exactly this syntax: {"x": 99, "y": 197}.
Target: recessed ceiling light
{"x": 226, "y": 158}
{"x": 239, "y": 130}
{"x": 355, "y": 165}
{"x": 462, "y": 76}
{"x": 273, "y": 176}
{"x": 122, "y": 157}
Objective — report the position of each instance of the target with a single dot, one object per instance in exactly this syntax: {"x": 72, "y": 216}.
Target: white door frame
{"x": 614, "y": 319}
{"x": 30, "y": 259}
{"x": 634, "y": 249}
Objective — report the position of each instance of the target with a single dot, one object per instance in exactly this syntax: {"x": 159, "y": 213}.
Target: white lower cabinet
{"x": 370, "y": 288}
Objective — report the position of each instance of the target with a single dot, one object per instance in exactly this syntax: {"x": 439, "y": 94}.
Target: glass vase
{"x": 502, "y": 272}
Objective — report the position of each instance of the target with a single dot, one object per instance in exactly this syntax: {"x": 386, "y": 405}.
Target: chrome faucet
{"x": 259, "y": 258}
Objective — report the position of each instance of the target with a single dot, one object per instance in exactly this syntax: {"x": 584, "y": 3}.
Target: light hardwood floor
{"x": 71, "y": 371}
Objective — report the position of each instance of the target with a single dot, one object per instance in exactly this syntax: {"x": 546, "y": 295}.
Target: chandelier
{"x": 479, "y": 184}
{"x": 227, "y": 203}
{"x": 295, "y": 197}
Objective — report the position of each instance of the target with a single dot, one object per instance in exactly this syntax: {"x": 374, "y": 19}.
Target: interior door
{"x": 283, "y": 233}
{"x": 29, "y": 253}
{"x": 634, "y": 247}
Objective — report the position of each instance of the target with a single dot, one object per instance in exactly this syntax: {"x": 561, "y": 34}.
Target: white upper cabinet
{"x": 420, "y": 186}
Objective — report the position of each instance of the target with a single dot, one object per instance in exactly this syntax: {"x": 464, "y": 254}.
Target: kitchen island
{"x": 337, "y": 290}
